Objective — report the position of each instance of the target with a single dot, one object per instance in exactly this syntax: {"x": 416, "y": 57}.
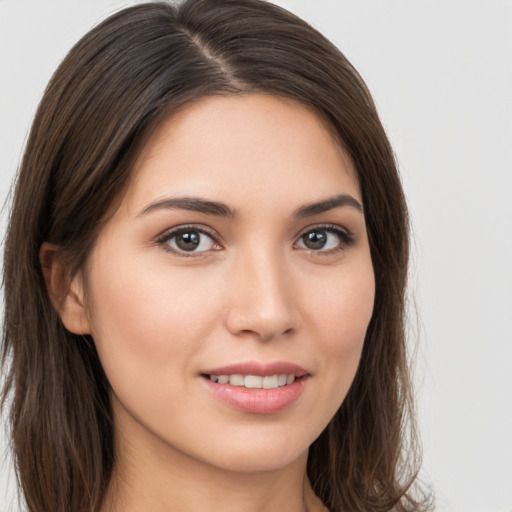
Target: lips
{"x": 256, "y": 387}
{"x": 260, "y": 369}
{"x": 255, "y": 381}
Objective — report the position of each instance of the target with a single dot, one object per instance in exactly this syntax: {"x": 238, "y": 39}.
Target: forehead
{"x": 228, "y": 146}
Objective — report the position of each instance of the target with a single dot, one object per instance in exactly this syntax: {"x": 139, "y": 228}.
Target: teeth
{"x": 270, "y": 382}
{"x": 237, "y": 380}
{"x": 255, "y": 381}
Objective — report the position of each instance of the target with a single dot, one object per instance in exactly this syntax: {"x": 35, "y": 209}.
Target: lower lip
{"x": 258, "y": 401}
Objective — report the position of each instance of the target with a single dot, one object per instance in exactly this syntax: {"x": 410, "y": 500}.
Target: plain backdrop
{"x": 441, "y": 75}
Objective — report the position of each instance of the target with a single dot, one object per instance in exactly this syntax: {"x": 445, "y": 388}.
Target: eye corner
{"x": 325, "y": 239}
{"x": 200, "y": 242}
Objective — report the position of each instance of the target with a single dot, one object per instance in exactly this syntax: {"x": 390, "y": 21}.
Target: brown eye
{"x": 315, "y": 240}
{"x": 189, "y": 240}
{"x": 324, "y": 239}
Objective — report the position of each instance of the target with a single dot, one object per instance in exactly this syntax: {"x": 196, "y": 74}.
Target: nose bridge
{"x": 261, "y": 297}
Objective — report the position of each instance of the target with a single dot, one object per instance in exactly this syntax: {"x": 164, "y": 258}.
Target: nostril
{"x": 265, "y": 335}
{"x": 261, "y": 317}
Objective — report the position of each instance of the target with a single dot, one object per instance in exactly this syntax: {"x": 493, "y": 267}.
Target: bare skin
{"x": 187, "y": 486}
{"x": 240, "y": 242}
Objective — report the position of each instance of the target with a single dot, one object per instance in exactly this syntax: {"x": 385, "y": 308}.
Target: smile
{"x": 257, "y": 388}
{"x": 255, "y": 381}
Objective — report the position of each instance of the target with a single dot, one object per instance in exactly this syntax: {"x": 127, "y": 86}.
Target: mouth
{"x": 257, "y": 388}
{"x": 254, "y": 381}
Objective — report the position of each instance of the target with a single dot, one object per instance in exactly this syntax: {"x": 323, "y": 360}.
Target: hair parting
{"x": 110, "y": 93}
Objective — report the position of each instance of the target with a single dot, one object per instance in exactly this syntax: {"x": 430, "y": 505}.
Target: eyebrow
{"x": 329, "y": 204}
{"x": 194, "y": 204}
{"x": 197, "y": 204}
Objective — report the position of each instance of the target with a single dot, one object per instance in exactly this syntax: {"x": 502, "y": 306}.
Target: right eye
{"x": 188, "y": 241}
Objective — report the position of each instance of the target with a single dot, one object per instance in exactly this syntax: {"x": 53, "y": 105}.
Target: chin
{"x": 257, "y": 453}
{"x": 258, "y": 461}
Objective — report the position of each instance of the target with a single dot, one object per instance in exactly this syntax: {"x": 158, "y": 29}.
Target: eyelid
{"x": 346, "y": 237}
{"x": 169, "y": 233}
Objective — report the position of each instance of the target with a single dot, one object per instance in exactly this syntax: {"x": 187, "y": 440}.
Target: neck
{"x": 156, "y": 480}
{"x": 194, "y": 487}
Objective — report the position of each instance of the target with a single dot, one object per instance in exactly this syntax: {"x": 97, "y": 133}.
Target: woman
{"x": 204, "y": 274}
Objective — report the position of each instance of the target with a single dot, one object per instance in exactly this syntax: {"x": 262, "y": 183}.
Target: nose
{"x": 261, "y": 298}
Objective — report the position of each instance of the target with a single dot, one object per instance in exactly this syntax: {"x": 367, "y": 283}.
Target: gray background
{"x": 441, "y": 74}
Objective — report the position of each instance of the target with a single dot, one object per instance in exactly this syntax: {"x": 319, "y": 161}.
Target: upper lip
{"x": 259, "y": 369}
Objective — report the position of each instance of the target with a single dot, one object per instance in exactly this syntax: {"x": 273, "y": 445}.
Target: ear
{"x": 66, "y": 294}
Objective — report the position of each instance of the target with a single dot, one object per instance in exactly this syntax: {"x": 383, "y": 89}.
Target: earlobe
{"x": 65, "y": 293}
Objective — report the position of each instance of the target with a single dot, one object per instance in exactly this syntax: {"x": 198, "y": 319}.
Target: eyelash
{"x": 345, "y": 239}
{"x": 166, "y": 237}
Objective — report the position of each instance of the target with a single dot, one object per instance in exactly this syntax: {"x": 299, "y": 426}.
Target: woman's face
{"x": 230, "y": 293}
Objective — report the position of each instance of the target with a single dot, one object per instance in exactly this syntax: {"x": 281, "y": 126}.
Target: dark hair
{"x": 106, "y": 98}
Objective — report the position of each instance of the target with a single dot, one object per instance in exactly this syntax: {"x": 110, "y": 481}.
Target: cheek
{"x": 343, "y": 312}
{"x": 146, "y": 325}
{"x": 344, "y": 305}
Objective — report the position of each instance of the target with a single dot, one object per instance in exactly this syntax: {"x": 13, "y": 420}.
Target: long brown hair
{"x": 102, "y": 104}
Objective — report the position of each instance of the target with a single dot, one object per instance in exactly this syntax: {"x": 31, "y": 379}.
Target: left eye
{"x": 190, "y": 240}
{"x": 322, "y": 239}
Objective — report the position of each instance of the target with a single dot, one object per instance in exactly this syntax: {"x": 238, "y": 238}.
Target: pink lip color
{"x": 260, "y": 369}
{"x": 258, "y": 401}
